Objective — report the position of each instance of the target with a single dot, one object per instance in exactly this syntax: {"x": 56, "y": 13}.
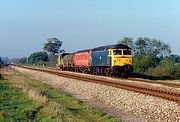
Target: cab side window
{"x": 117, "y": 52}
{"x": 127, "y": 52}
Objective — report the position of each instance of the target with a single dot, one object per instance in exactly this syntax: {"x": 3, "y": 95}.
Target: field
{"x": 26, "y": 99}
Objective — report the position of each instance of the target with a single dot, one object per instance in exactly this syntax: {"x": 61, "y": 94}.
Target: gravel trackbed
{"x": 126, "y": 105}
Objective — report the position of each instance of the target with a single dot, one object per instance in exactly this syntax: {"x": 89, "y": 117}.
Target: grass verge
{"x": 15, "y": 105}
{"x": 41, "y": 102}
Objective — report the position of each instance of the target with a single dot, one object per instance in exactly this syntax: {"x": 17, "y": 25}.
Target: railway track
{"x": 156, "y": 82}
{"x": 161, "y": 93}
{"x": 176, "y": 85}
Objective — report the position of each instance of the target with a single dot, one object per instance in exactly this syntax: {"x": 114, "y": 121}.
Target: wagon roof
{"x": 119, "y": 46}
{"x": 87, "y": 50}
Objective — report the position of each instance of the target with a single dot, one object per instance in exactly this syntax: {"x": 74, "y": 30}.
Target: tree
{"x": 141, "y": 45}
{"x": 53, "y": 46}
{"x": 153, "y": 47}
{"x": 6, "y": 60}
{"x": 1, "y": 62}
{"x": 159, "y": 48}
{"x": 22, "y": 60}
{"x": 38, "y": 58}
{"x": 149, "y": 52}
{"x": 127, "y": 41}
{"x": 174, "y": 58}
{"x": 152, "y": 57}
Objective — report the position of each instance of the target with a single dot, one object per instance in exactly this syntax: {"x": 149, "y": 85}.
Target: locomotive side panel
{"x": 100, "y": 58}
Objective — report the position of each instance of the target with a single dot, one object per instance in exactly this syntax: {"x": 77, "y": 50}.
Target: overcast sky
{"x": 26, "y": 24}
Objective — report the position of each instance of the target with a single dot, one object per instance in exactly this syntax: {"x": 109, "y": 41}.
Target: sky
{"x": 25, "y": 25}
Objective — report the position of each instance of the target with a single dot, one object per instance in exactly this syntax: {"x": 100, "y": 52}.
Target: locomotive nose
{"x": 122, "y": 61}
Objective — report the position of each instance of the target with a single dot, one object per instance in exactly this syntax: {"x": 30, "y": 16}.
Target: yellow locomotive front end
{"x": 121, "y": 61}
{"x": 121, "y": 57}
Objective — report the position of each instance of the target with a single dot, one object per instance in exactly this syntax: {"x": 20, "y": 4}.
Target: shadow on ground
{"x": 138, "y": 75}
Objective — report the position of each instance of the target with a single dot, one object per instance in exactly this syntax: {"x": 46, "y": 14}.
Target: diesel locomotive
{"x": 110, "y": 60}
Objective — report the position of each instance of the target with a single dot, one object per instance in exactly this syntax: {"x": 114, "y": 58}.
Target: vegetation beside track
{"x": 153, "y": 57}
{"x": 26, "y": 99}
{"x": 15, "y": 105}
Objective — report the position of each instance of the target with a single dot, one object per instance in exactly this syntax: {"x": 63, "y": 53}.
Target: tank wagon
{"x": 110, "y": 60}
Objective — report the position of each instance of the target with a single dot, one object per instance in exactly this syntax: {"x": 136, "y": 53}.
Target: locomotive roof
{"x": 115, "y": 46}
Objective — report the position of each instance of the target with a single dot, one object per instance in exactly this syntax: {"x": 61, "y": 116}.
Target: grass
{"x": 15, "y": 105}
{"x": 29, "y": 99}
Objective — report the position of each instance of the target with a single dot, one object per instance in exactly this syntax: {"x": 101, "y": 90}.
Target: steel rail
{"x": 155, "y": 82}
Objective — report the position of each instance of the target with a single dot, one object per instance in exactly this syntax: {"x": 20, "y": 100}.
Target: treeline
{"x": 150, "y": 56}
{"x": 153, "y": 57}
{"x": 48, "y": 57}
{"x": 1, "y": 62}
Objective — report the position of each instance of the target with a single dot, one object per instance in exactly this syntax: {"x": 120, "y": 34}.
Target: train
{"x": 110, "y": 60}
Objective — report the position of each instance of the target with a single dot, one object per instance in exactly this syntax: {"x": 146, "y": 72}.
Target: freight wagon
{"x": 82, "y": 60}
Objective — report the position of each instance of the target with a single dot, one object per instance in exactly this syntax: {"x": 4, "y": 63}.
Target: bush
{"x": 167, "y": 68}
{"x": 38, "y": 58}
{"x": 142, "y": 63}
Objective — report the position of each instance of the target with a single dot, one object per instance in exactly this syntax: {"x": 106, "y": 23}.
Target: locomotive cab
{"x": 121, "y": 60}
{"x": 120, "y": 57}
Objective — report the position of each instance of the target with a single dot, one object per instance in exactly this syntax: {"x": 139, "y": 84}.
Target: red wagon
{"x": 82, "y": 58}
